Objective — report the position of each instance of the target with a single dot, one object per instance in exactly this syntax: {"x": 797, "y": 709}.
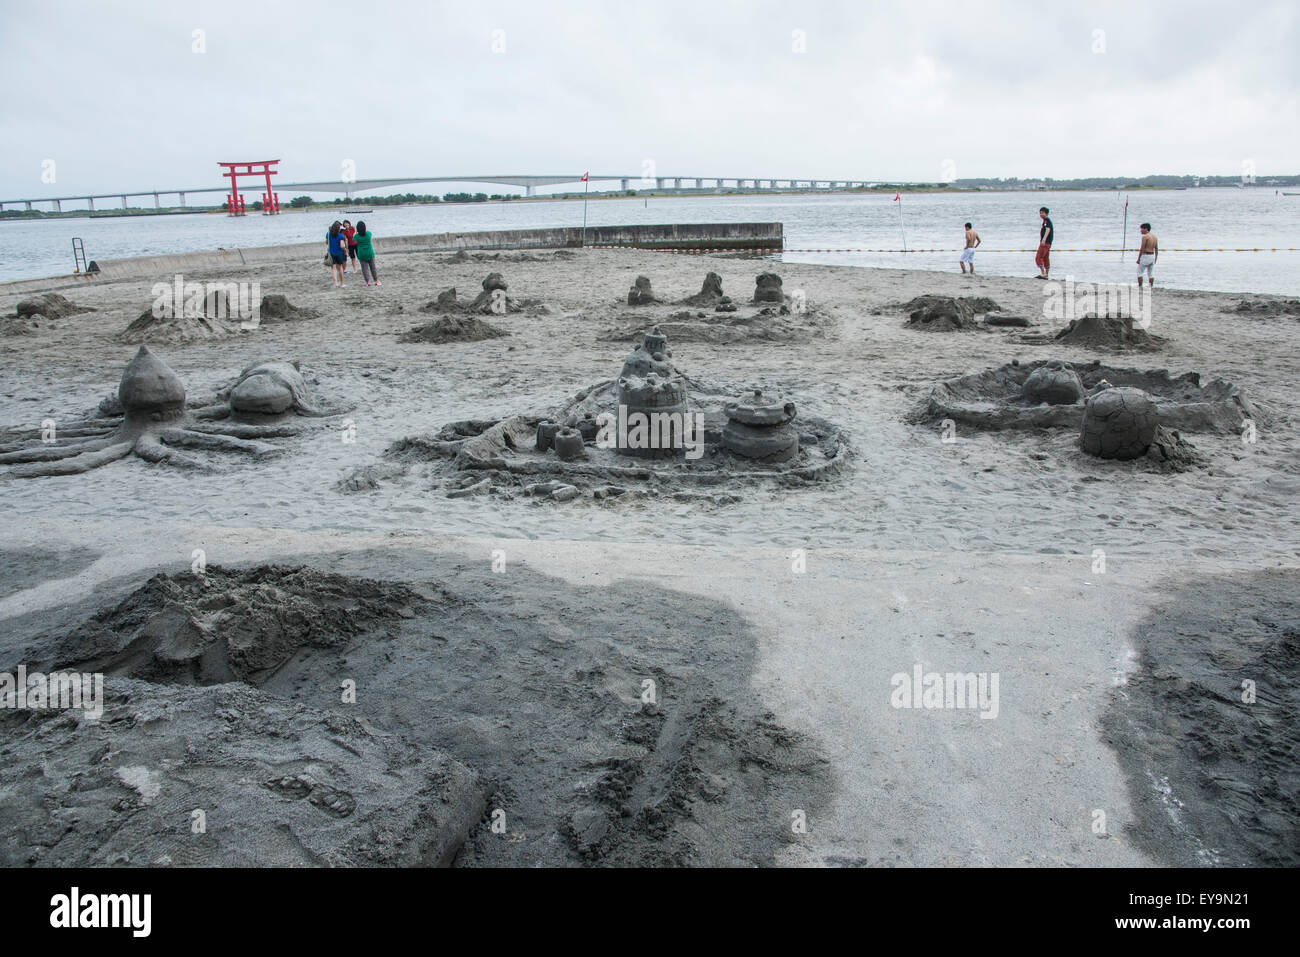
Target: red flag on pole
{"x": 584, "y": 177}
{"x": 898, "y": 197}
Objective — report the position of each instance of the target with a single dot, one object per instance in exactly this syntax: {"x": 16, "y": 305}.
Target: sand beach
{"x": 499, "y": 642}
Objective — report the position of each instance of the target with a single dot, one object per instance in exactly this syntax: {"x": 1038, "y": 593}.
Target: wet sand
{"x": 977, "y": 555}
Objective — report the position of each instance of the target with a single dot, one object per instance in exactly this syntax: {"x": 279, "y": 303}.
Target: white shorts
{"x": 968, "y": 255}
{"x": 1147, "y": 261}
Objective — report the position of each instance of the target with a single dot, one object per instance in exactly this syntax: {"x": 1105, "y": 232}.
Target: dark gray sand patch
{"x": 1214, "y": 778}
{"x": 274, "y": 784}
{"x": 533, "y": 682}
{"x": 23, "y": 568}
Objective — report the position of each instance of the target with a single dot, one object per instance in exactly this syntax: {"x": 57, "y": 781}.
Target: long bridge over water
{"x": 529, "y": 184}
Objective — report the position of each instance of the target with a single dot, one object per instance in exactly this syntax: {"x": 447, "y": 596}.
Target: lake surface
{"x": 1198, "y": 218}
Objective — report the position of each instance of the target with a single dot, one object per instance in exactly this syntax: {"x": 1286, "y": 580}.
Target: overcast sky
{"x": 117, "y": 97}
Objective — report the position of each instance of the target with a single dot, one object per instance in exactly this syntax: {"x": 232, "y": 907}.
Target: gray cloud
{"x": 114, "y": 94}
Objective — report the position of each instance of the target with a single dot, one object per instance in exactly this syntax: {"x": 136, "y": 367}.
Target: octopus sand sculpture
{"x": 149, "y": 417}
{"x": 1119, "y": 413}
{"x": 651, "y": 431}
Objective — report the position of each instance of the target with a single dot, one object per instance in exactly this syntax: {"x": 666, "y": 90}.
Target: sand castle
{"x": 682, "y": 432}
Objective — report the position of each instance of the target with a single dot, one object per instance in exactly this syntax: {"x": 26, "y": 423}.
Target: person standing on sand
{"x": 366, "y": 253}
{"x": 338, "y": 256}
{"x": 350, "y": 235}
{"x": 1046, "y": 232}
{"x": 968, "y": 254}
{"x": 1148, "y": 253}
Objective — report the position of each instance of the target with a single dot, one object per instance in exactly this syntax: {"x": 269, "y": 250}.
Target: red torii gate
{"x": 270, "y": 200}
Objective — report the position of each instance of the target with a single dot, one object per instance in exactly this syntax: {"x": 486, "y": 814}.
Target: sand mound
{"x": 446, "y": 302}
{"x": 1116, "y": 333}
{"x": 1212, "y": 776}
{"x": 21, "y": 325}
{"x": 1265, "y": 307}
{"x": 50, "y": 305}
{"x": 635, "y": 756}
{"x": 275, "y": 784}
{"x": 232, "y": 625}
{"x": 180, "y": 326}
{"x": 453, "y": 329}
{"x": 995, "y": 399}
{"x": 946, "y": 313}
{"x": 277, "y": 308}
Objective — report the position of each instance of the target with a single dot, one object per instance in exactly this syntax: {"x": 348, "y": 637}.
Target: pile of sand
{"x": 172, "y": 630}
{"x": 276, "y": 308}
{"x": 174, "y": 327}
{"x": 947, "y": 313}
{"x": 453, "y": 329}
{"x": 50, "y": 305}
{"x": 1117, "y": 333}
{"x": 1265, "y": 307}
{"x": 30, "y": 314}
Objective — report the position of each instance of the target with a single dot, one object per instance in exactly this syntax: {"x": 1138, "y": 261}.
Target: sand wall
{"x": 672, "y": 235}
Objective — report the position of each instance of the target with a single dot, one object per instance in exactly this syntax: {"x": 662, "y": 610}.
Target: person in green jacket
{"x": 366, "y": 253}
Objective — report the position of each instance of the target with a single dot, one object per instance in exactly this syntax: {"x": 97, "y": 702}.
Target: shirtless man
{"x": 968, "y": 254}
{"x": 1148, "y": 253}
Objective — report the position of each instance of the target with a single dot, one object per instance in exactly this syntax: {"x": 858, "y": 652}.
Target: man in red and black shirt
{"x": 1043, "y": 260}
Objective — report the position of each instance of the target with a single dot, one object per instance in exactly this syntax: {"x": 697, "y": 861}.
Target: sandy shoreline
{"x": 977, "y": 555}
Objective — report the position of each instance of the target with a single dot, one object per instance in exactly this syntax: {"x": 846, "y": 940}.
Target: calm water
{"x": 1190, "y": 218}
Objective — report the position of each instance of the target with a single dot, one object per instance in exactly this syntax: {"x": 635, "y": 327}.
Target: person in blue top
{"x": 337, "y": 251}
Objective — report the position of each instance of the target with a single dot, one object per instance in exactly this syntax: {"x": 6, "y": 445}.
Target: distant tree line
{"x": 400, "y": 199}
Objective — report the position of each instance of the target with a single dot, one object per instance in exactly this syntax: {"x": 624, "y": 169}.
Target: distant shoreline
{"x": 136, "y": 212}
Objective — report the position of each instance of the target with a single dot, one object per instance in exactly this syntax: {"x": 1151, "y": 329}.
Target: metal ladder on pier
{"x": 78, "y": 255}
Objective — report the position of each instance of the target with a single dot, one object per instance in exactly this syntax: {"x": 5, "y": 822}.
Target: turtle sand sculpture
{"x": 1054, "y": 383}
{"x": 149, "y": 417}
{"x": 1119, "y": 423}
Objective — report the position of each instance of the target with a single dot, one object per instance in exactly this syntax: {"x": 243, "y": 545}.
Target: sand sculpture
{"x": 640, "y": 294}
{"x": 650, "y": 385}
{"x": 710, "y": 293}
{"x": 767, "y": 288}
{"x": 210, "y": 318}
{"x": 1119, "y": 413}
{"x": 1119, "y": 423}
{"x": 1053, "y": 383}
{"x": 760, "y": 427}
{"x": 652, "y": 431}
{"x": 947, "y": 313}
{"x": 149, "y": 417}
